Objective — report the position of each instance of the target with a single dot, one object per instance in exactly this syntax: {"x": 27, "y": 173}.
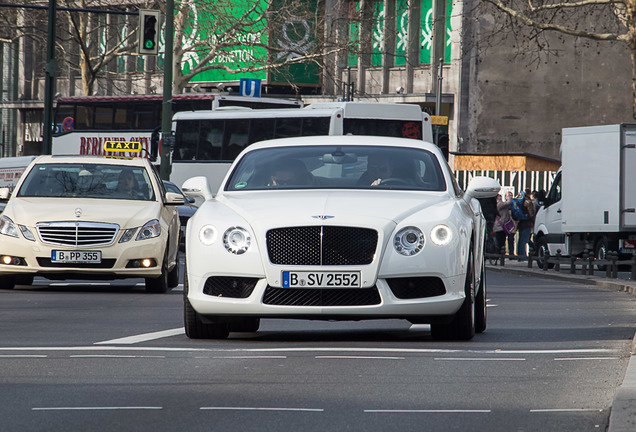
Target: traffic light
{"x": 149, "y": 32}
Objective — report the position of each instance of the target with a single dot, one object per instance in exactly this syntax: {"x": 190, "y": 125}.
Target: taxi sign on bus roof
{"x": 128, "y": 146}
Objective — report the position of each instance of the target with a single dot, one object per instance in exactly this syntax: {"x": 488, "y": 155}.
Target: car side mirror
{"x": 173, "y": 198}
{"x": 482, "y": 187}
{"x": 197, "y": 187}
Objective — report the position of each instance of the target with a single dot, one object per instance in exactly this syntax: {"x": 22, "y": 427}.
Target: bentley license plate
{"x": 76, "y": 257}
{"x": 299, "y": 279}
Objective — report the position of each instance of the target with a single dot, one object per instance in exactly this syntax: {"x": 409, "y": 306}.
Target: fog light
{"x": 6, "y": 259}
{"x": 146, "y": 263}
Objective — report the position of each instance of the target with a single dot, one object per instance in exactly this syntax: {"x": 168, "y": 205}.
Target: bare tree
{"x": 599, "y": 20}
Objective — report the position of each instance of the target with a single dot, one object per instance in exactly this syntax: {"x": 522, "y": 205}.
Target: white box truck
{"x": 592, "y": 201}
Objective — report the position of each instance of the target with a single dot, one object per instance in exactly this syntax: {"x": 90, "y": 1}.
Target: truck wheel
{"x": 462, "y": 327}
{"x": 600, "y": 251}
{"x": 542, "y": 252}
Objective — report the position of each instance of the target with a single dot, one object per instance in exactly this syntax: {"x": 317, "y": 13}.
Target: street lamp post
{"x": 167, "y": 140}
{"x": 49, "y": 80}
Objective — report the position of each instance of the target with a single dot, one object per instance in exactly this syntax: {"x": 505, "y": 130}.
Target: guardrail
{"x": 608, "y": 266}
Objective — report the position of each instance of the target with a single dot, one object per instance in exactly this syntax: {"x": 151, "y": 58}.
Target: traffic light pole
{"x": 167, "y": 139}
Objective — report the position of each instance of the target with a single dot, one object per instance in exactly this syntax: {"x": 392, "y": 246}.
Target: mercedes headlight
{"x": 409, "y": 241}
{"x": 237, "y": 240}
{"x": 7, "y": 227}
{"x": 441, "y": 235}
{"x": 150, "y": 230}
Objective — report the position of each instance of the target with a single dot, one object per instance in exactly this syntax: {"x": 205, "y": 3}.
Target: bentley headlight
{"x": 207, "y": 235}
{"x": 441, "y": 235}
{"x": 149, "y": 230}
{"x": 7, "y": 227}
{"x": 409, "y": 241}
{"x": 237, "y": 240}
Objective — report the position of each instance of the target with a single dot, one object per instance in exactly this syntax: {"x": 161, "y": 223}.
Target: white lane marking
{"x": 450, "y": 411}
{"x": 242, "y": 357}
{"x": 112, "y": 356}
{"x": 144, "y": 337}
{"x": 491, "y": 305}
{"x": 565, "y": 410}
{"x": 319, "y": 349}
{"x": 585, "y": 358}
{"x": 23, "y": 356}
{"x": 95, "y": 408}
{"x": 360, "y": 357}
{"x": 261, "y": 409}
{"x": 479, "y": 359}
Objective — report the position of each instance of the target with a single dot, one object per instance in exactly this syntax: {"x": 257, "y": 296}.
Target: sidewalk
{"x": 623, "y": 412}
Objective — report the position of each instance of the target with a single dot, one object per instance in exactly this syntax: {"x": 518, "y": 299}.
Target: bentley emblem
{"x": 78, "y": 212}
{"x": 323, "y": 217}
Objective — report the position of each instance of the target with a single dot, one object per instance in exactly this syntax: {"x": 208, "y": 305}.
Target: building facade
{"x": 405, "y": 51}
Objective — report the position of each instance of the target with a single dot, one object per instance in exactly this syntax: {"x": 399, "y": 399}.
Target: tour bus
{"x": 206, "y": 142}
{"x": 84, "y": 123}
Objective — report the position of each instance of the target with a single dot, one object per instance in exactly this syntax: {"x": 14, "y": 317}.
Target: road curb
{"x": 623, "y": 411}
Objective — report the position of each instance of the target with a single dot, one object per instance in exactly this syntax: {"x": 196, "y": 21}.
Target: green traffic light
{"x": 149, "y": 44}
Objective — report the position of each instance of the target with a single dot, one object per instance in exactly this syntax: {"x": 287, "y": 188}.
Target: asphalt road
{"x": 105, "y": 357}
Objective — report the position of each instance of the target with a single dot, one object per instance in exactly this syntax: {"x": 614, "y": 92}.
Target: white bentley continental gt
{"x": 337, "y": 228}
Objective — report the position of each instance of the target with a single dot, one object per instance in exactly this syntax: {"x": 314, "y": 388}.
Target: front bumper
{"x": 118, "y": 260}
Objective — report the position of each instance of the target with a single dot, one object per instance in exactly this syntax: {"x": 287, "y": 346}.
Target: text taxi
{"x": 91, "y": 217}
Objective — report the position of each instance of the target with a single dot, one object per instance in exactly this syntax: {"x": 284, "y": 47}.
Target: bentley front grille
{"x": 321, "y": 297}
{"x": 77, "y": 234}
{"x": 321, "y": 245}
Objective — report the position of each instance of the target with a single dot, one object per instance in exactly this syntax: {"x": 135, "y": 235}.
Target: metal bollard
{"x": 557, "y": 265}
{"x": 634, "y": 267}
{"x": 503, "y": 255}
{"x": 614, "y": 259}
{"x": 584, "y": 264}
{"x": 572, "y": 264}
{"x": 608, "y": 267}
{"x": 591, "y": 267}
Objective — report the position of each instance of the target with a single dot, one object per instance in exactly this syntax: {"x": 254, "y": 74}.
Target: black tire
{"x": 24, "y": 280}
{"x": 480, "y": 304}
{"x": 245, "y": 325}
{"x": 194, "y": 327}
{"x": 7, "y": 282}
{"x": 600, "y": 251}
{"x": 160, "y": 284}
{"x": 173, "y": 275}
{"x": 542, "y": 252}
{"x": 462, "y": 327}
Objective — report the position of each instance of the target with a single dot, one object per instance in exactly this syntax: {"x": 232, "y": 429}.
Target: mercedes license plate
{"x": 76, "y": 257}
{"x": 303, "y": 279}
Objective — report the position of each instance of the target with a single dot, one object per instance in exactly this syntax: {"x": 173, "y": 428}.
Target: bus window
{"x": 236, "y": 137}
{"x": 84, "y": 117}
{"x": 287, "y": 127}
{"x": 391, "y": 128}
{"x": 145, "y": 116}
{"x": 261, "y": 129}
{"x": 123, "y": 118}
{"x": 104, "y": 117}
{"x": 316, "y": 126}
{"x": 64, "y": 111}
{"x": 187, "y": 140}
